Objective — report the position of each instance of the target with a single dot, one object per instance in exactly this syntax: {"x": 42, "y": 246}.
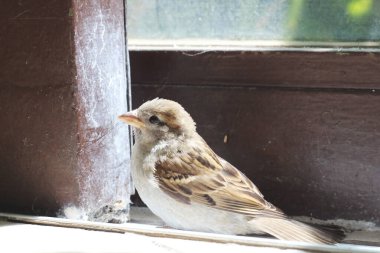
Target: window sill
{"x": 149, "y": 236}
{"x": 205, "y": 45}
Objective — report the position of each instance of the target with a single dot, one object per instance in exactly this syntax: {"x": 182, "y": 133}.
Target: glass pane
{"x": 255, "y": 20}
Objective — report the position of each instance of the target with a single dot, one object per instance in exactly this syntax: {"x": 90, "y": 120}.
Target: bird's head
{"x": 159, "y": 119}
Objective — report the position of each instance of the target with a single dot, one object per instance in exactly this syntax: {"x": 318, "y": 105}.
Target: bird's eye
{"x": 154, "y": 120}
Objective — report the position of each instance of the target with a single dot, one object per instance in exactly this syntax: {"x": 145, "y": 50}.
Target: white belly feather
{"x": 178, "y": 215}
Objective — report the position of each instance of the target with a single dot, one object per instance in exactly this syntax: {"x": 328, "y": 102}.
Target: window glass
{"x": 266, "y": 21}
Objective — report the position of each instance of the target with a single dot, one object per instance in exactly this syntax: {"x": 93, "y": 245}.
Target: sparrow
{"x": 182, "y": 181}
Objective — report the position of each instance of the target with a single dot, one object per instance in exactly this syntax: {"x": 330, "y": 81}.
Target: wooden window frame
{"x": 158, "y": 72}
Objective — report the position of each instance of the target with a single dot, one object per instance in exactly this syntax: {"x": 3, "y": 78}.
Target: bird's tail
{"x": 291, "y": 230}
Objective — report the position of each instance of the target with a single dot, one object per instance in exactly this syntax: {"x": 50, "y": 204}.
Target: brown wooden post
{"x": 63, "y": 82}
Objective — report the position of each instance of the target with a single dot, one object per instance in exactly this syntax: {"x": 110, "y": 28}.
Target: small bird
{"x": 181, "y": 179}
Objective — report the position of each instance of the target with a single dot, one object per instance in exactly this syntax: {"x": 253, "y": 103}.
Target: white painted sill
{"x": 153, "y": 232}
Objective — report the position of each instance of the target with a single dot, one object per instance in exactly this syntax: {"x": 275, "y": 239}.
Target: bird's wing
{"x": 200, "y": 176}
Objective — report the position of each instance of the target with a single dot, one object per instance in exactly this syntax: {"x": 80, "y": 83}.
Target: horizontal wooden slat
{"x": 257, "y": 69}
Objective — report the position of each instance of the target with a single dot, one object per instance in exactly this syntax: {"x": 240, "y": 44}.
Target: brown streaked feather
{"x": 170, "y": 118}
{"x": 178, "y": 196}
{"x": 200, "y": 176}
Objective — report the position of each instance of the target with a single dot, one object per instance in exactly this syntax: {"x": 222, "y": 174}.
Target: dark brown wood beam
{"x": 259, "y": 69}
{"x": 62, "y": 85}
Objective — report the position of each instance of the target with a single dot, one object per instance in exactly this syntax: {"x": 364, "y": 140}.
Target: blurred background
{"x": 266, "y": 20}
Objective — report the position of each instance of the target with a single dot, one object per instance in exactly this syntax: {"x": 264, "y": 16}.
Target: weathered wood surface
{"x": 62, "y": 85}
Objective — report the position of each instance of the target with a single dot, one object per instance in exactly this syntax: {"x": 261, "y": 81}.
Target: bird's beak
{"x": 131, "y": 119}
